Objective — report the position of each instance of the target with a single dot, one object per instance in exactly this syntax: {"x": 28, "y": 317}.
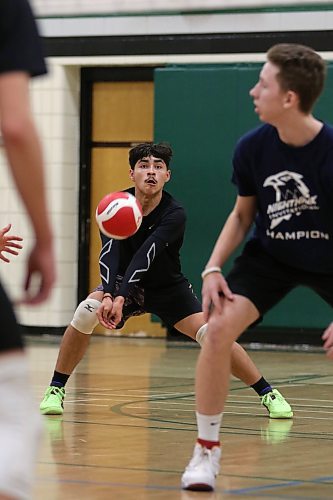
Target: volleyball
{"x": 119, "y": 215}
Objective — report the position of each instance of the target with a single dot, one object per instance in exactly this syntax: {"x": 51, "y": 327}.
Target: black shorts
{"x": 170, "y": 304}
{"x": 10, "y": 334}
{"x": 265, "y": 280}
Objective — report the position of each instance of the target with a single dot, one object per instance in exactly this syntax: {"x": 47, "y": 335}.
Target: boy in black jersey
{"x": 143, "y": 274}
{"x": 284, "y": 174}
{"x": 20, "y": 58}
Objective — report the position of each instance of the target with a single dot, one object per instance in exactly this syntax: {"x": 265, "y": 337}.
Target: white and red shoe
{"x": 202, "y": 469}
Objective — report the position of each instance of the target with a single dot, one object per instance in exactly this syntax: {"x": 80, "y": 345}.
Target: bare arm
{"x": 233, "y": 233}
{"x": 26, "y": 163}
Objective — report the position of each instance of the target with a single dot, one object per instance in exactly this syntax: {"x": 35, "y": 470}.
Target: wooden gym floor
{"x": 128, "y": 428}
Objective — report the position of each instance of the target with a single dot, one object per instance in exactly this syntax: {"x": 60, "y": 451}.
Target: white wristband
{"x": 209, "y": 270}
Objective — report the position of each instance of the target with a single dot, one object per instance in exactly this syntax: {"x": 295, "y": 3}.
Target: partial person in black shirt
{"x": 143, "y": 274}
{"x": 20, "y": 58}
{"x": 22, "y": 52}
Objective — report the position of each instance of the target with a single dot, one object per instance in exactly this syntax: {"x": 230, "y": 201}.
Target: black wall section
{"x": 219, "y": 43}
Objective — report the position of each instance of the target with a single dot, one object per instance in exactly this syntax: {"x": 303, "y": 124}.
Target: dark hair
{"x": 302, "y": 70}
{"x": 161, "y": 150}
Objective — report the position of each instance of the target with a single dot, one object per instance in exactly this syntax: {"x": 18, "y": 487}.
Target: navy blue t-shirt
{"x": 294, "y": 191}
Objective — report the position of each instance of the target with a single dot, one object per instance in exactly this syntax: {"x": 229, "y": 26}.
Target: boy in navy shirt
{"x": 283, "y": 171}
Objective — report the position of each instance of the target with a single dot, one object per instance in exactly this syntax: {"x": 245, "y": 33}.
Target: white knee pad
{"x": 85, "y": 318}
{"x": 200, "y": 335}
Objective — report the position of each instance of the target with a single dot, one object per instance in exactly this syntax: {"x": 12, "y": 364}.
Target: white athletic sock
{"x": 209, "y": 426}
{"x": 20, "y": 427}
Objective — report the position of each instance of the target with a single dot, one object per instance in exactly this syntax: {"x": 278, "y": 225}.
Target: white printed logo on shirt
{"x": 292, "y": 197}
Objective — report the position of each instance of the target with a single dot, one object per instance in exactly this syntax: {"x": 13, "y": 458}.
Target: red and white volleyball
{"x": 119, "y": 215}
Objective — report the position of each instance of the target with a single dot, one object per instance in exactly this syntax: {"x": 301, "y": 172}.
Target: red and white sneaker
{"x": 202, "y": 469}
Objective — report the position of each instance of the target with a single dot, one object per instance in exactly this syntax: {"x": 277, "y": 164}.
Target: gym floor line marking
{"x": 256, "y": 489}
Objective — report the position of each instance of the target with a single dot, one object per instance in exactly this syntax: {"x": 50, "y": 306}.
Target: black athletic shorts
{"x": 265, "y": 280}
{"x": 10, "y": 334}
{"x": 171, "y": 304}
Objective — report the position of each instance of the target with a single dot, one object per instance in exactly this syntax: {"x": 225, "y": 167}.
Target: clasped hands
{"x": 110, "y": 311}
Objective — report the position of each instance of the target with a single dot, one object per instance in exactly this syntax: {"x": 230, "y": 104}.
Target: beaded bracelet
{"x": 209, "y": 270}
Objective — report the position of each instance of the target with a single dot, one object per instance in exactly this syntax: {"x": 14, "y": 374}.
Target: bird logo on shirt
{"x": 292, "y": 196}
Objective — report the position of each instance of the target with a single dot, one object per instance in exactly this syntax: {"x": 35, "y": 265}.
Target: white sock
{"x": 209, "y": 426}
{"x": 20, "y": 427}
